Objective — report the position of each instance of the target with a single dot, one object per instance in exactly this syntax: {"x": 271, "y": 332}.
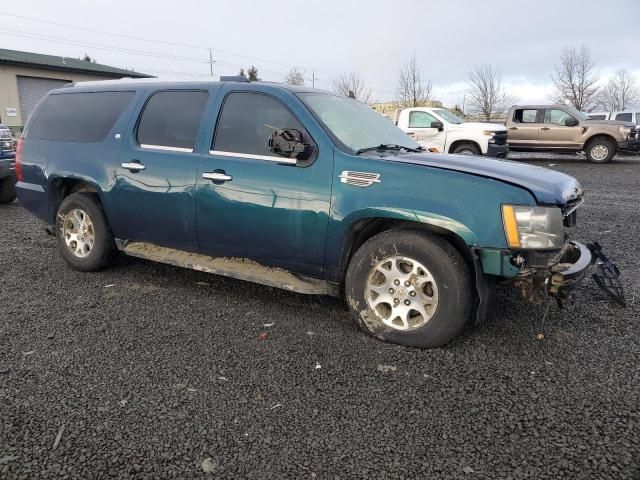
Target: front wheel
{"x": 410, "y": 288}
{"x": 467, "y": 149}
{"x": 600, "y": 150}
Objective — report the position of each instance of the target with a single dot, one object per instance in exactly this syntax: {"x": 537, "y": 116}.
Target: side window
{"x": 625, "y": 117}
{"x": 77, "y": 117}
{"x": 637, "y": 118}
{"x": 421, "y": 119}
{"x": 171, "y": 119}
{"x": 555, "y": 116}
{"x": 248, "y": 120}
{"x": 597, "y": 116}
{"x": 525, "y": 116}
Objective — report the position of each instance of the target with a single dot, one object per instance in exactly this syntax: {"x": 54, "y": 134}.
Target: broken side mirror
{"x": 438, "y": 125}
{"x": 288, "y": 142}
{"x": 571, "y": 122}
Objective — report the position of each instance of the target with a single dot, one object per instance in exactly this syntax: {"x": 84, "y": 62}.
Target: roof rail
{"x": 234, "y": 78}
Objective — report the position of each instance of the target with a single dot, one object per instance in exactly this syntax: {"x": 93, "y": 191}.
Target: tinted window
{"x": 172, "y": 119}
{"x": 625, "y": 117}
{"x": 637, "y": 118}
{"x": 555, "y": 116}
{"x": 248, "y": 120}
{"x": 77, "y": 117}
{"x": 525, "y": 116}
{"x": 421, "y": 120}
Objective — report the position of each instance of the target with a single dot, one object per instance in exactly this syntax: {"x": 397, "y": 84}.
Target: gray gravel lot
{"x": 146, "y": 370}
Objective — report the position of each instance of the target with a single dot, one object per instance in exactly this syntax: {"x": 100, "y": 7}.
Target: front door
{"x": 152, "y": 198}
{"x": 525, "y": 127}
{"x": 421, "y": 131}
{"x": 253, "y": 204}
{"x": 555, "y": 133}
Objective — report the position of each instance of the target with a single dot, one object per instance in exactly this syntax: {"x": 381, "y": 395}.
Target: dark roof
{"x": 65, "y": 64}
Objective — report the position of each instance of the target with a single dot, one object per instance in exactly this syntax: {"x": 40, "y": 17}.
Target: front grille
{"x": 633, "y": 134}
{"x": 500, "y": 138}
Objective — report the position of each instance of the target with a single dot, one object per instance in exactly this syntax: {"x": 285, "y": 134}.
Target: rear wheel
{"x": 467, "y": 149}
{"x": 84, "y": 237}
{"x": 600, "y": 150}
{"x": 7, "y": 190}
{"x": 409, "y": 288}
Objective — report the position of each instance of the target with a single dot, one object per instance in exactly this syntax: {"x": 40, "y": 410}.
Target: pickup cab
{"x": 439, "y": 130}
{"x": 298, "y": 189}
{"x": 7, "y": 165}
{"x": 561, "y": 128}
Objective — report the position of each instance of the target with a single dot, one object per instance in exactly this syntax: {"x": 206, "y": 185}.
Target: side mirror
{"x": 288, "y": 142}
{"x": 571, "y": 122}
{"x": 438, "y": 125}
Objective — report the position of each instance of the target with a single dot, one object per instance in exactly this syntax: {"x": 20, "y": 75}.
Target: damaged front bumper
{"x": 544, "y": 275}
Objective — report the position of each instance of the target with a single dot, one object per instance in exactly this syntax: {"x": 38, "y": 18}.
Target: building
{"x": 26, "y": 77}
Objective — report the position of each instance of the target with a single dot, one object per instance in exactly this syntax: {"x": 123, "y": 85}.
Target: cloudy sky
{"x": 522, "y": 39}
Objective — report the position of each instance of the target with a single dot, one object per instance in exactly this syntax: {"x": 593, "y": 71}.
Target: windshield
{"x": 579, "y": 115}
{"x": 448, "y": 116}
{"x": 354, "y": 124}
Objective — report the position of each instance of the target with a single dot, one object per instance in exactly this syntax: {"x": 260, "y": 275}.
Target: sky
{"x": 521, "y": 39}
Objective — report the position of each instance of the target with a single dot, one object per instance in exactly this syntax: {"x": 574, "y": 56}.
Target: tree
{"x": 242, "y": 74}
{"x": 411, "y": 90}
{"x": 88, "y": 58}
{"x": 620, "y": 93}
{"x": 575, "y": 79}
{"x": 487, "y": 94}
{"x": 252, "y": 74}
{"x": 294, "y": 77}
{"x": 352, "y": 84}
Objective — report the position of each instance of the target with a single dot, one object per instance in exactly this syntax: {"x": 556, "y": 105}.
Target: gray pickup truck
{"x": 562, "y": 128}
{"x": 7, "y": 166}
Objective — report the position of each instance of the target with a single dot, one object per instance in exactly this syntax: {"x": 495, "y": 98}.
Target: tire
{"x": 7, "y": 190}
{"x": 600, "y": 150}
{"x": 467, "y": 149}
{"x": 446, "y": 284}
{"x": 95, "y": 250}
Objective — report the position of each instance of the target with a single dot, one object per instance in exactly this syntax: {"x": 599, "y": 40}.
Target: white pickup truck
{"x": 439, "y": 130}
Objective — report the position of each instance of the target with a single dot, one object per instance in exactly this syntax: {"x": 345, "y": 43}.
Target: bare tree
{"x": 487, "y": 94}
{"x": 620, "y": 93}
{"x": 352, "y": 84}
{"x": 294, "y": 77}
{"x": 575, "y": 79}
{"x": 411, "y": 90}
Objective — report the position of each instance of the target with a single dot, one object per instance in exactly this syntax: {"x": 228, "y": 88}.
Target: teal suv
{"x": 299, "y": 189}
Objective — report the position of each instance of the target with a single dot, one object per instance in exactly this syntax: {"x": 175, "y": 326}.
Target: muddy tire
{"x": 467, "y": 149}
{"x": 84, "y": 237}
{"x": 600, "y": 150}
{"x": 7, "y": 190}
{"x": 410, "y": 288}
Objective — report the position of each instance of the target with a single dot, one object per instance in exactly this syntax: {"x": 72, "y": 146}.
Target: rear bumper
{"x": 497, "y": 151}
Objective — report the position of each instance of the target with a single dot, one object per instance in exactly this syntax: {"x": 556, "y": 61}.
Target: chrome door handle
{"x": 545, "y": 128}
{"x": 133, "y": 166}
{"x": 217, "y": 176}
{"x": 513, "y": 128}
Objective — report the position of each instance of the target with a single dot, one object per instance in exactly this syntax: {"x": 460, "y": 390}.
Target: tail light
{"x": 18, "y": 166}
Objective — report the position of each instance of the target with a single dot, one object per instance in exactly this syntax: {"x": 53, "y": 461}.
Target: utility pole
{"x": 464, "y": 99}
{"x": 211, "y": 62}
{"x": 313, "y": 78}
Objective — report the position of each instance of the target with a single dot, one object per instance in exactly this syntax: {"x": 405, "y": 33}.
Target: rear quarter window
{"x": 625, "y": 117}
{"x": 77, "y": 117}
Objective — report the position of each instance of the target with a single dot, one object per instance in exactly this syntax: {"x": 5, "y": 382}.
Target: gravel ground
{"x": 147, "y": 371}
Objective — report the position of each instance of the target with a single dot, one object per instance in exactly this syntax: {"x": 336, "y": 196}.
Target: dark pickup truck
{"x": 7, "y": 166}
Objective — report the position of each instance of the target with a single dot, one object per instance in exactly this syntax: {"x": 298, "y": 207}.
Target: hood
{"x": 620, "y": 123}
{"x": 547, "y": 186}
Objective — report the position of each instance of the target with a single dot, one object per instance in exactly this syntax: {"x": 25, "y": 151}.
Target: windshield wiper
{"x": 389, "y": 146}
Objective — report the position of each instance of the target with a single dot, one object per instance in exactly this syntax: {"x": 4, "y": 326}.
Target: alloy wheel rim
{"x": 402, "y": 293}
{"x": 599, "y": 152}
{"x": 78, "y": 232}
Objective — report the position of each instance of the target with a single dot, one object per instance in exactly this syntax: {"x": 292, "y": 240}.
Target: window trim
{"x": 424, "y": 113}
{"x": 170, "y": 148}
{"x": 252, "y": 156}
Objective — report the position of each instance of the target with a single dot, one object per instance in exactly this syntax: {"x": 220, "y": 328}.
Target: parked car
{"x": 562, "y": 128}
{"x": 7, "y": 160}
{"x": 439, "y": 130}
{"x": 624, "y": 116}
{"x": 298, "y": 189}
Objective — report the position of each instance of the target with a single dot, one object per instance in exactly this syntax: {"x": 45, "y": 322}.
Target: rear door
{"x": 266, "y": 208}
{"x": 555, "y": 134}
{"x": 419, "y": 128}
{"x": 152, "y": 198}
{"x": 525, "y": 127}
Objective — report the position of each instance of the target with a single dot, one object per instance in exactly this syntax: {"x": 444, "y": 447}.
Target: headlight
{"x": 625, "y": 131}
{"x": 489, "y": 133}
{"x": 533, "y": 227}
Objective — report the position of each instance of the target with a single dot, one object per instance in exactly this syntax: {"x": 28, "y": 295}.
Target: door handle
{"x": 545, "y": 128}
{"x": 411, "y": 134}
{"x": 513, "y": 128}
{"x": 217, "y": 176}
{"x": 135, "y": 166}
